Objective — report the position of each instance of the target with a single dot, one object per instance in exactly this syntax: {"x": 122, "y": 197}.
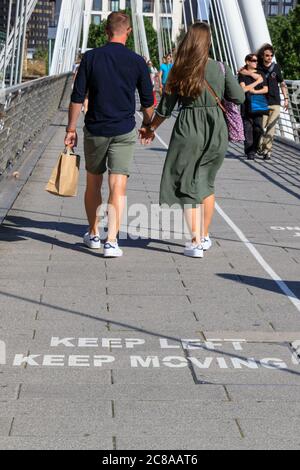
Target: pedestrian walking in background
{"x": 153, "y": 76}
{"x": 253, "y": 118}
{"x": 200, "y": 136}
{"x": 111, "y": 74}
{"x": 164, "y": 71}
{"x": 275, "y": 83}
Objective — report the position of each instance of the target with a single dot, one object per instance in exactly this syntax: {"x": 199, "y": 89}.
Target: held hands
{"x": 146, "y": 135}
{"x": 71, "y": 139}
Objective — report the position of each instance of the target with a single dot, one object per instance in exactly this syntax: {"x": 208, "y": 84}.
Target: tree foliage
{"x": 98, "y": 38}
{"x": 285, "y": 34}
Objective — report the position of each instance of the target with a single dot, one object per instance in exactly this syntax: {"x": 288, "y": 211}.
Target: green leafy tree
{"x": 285, "y": 34}
{"x": 98, "y": 38}
{"x": 42, "y": 55}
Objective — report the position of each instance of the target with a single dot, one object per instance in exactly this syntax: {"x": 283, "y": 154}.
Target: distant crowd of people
{"x": 105, "y": 84}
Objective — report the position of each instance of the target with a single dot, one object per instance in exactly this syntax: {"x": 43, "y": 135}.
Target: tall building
{"x": 42, "y": 17}
{"x": 278, "y": 7}
{"x": 4, "y": 4}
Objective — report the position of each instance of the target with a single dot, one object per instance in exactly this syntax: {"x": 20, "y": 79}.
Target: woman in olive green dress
{"x": 199, "y": 139}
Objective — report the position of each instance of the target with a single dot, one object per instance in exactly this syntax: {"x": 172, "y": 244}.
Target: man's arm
{"x": 283, "y": 87}
{"x": 252, "y": 86}
{"x": 248, "y": 73}
{"x": 71, "y": 135}
{"x": 77, "y": 100}
{"x": 147, "y": 115}
{"x": 285, "y": 93}
{"x": 263, "y": 91}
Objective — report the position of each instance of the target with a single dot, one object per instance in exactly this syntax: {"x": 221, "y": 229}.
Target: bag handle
{"x": 69, "y": 150}
{"x": 270, "y": 71}
{"x": 214, "y": 94}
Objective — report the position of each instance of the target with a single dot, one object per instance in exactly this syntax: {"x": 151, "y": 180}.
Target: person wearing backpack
{"x": 255, "y": 107}
{"x": 199, "y": 139}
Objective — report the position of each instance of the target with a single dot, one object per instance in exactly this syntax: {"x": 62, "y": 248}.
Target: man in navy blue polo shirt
{"x": 110, "y": 75}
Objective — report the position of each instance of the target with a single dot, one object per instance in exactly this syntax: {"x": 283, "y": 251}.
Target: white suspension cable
{"x": 206, "y": 7}
{"x": 163, "y": 34}
{"x": 22, "y": 52}
{"x": 14, "y": 44}
{"x": 192, "y": 12}
{"x": 234, "y": 45}
{"x": 217, "y": 31}
{"x": 184, "y": 16}
{"x": 221, "y": 27}
{"x": 13, "y": 47}
{"x": 68, "y": 30}
{"x": 5, "y": 59}
{"x": 199, "y": 16}
{"x": 169, "y": 41}
{"x": 158, "y": 29}
{"x": 19, "y": 42}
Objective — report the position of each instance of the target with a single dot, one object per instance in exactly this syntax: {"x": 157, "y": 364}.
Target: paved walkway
{"x": 107, "y": 366}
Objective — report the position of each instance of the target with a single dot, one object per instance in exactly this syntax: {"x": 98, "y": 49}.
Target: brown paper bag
{"x": 64, "y": 177}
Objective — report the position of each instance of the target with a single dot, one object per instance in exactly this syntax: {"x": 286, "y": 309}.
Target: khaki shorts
{"x": 112, "y": 153}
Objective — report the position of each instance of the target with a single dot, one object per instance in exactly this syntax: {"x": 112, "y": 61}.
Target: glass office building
{"x": 278, "y": 7}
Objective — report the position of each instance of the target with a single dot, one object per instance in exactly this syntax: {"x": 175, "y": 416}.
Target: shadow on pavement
{"x": 16, "y": 229}
{"x": 261, "y": 283}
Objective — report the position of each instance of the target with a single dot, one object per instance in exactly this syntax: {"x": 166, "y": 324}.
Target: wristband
{"x": 70, "y": 130}
{"x": 149, "y": 127}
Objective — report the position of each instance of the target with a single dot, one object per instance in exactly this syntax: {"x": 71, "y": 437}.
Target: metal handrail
{"x": 25, "y": 110}
{"x": 289, "y": 124}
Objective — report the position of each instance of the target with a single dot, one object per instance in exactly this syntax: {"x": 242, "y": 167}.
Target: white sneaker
{"x": 206, "y": 243}
{"x": 194, "y": 251}
{"x": 112, "y": 250}
{"x": 92, "y": 241}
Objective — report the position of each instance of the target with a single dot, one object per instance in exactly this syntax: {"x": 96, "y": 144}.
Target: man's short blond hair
{"x": 117, "y": 23}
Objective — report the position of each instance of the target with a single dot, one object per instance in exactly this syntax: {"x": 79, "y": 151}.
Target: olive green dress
{"x": 199, "y": 140}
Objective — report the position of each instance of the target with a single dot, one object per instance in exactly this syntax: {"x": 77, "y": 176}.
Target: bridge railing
{"x": 25, "y": 110}
{"x": 289, "y": 123}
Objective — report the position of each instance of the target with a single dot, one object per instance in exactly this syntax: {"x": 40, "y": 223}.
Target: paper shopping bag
{"x": 64, "y": 177}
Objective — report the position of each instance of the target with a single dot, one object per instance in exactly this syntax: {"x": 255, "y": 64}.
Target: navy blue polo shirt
{"x": 110, "y": 75}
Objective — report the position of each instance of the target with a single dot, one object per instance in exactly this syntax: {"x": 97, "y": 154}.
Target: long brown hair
{"x": 187, "y": 76}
